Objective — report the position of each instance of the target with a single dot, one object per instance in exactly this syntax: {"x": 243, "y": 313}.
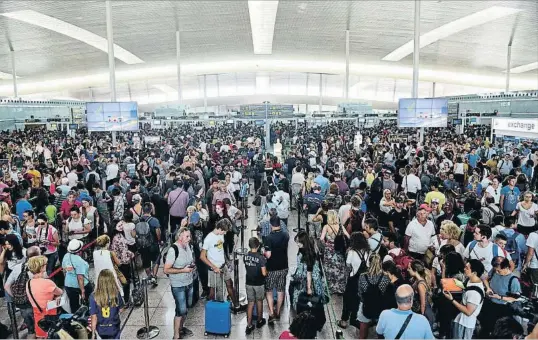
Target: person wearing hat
{"x": 435, "y": 194}
{"x": 77, "y": 283}
{"x": 419, "y": 233}
{"x": 398, "y": 217}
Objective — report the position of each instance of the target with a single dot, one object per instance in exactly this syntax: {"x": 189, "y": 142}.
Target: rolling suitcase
{"x": 314, "y": 305}
{"x": 218, "y": 314}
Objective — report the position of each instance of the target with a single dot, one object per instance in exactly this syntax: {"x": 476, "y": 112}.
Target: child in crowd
{"x": 106, "y": 305}
{"x": 255, "y": 283}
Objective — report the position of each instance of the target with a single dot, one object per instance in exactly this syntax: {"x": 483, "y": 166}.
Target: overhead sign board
{"x": 260, "y": 110}
{"x": 516, "y": 125}
{"x": 361, "y": 107}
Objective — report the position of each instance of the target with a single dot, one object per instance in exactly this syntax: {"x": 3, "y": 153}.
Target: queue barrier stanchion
{"x": 59, "y": 269}
{"x": 147, "y": 332}
{"x": 298, "y": 228}
{"x": 243, "y": 250}
{"x": 13, "y": 320}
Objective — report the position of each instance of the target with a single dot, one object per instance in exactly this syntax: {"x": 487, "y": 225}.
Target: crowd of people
{"x": 438, "y": 237}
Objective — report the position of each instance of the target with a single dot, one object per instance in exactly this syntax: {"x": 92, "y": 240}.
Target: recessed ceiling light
{"x": 452, "y": 27}
{"x": 72, "y": 31}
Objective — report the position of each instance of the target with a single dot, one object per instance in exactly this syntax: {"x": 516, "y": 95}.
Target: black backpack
{"x": 371, "y": 299}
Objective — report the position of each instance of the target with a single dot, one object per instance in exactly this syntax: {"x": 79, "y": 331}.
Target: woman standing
{"x": 450, "y": 234}
{"x": 221, "y": 213}
{"x": 77, "y": 283}
{"x": 12, "y": 254}
{"x": 333, "y": 260}
{"x": 48, "y": 241}
{"x": 422, "y": 283}
{"x": 307, "y": 277}
{"x": 385, "y": 206}
{"x": 40, "y": 291}
{"x": 459, "y": 171}
{"x": 370, "y": 281}
{"x": 103, "y": 259}
{"x": 526, "y": 211}
{"x": 106, "y": 304}
{"x": 357, "y": 259}
{"x": 395, "y": 275}
{"x": 120, "y": 247}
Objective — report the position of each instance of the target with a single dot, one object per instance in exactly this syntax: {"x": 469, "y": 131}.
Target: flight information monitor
{"x": 122, "y": 116}
{"x": 418, "y": 112}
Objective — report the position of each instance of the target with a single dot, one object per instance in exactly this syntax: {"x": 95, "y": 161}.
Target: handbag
{"x": 119, "y": 274}
{"x": 341, "y": 242}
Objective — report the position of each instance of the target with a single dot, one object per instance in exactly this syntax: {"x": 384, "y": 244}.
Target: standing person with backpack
{"x": 509, "y": 196}
{"x": 526, "y": 211}
{"x": 515, "y": 246}
{"x": 15, "y": 287}
{"x": 357, "y": 258}
{"x": 372, "y": 288}
{"x": 178, "y": 201}
{"x": 471, "y": 304}
{"x": 147, "y": 234}
{"x": 481, "y": 248}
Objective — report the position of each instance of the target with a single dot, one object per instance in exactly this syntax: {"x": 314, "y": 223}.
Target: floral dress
{"x": 299, "y": 281}
{"x": 335, "y": 267}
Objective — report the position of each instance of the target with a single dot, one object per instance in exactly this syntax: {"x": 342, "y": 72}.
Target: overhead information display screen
{"x": 259, "y": 110}
{"x": 112, "y": 116}
{"x": 417, "y": 112}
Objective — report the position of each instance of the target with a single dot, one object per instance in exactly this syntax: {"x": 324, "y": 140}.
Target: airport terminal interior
{"x": 269, "y": 169}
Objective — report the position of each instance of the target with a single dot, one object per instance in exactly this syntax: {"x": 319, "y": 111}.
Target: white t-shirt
{"x": 127, "y": 228}
{"x": 343, "y": 211}
{"x": 354, "y": 261}
{"x": 72, "y": 178}
{"x": 495, "y": 230}
{"x": 420, "y": 236}
{"x": 412, "y": 183}
{"x": 473, "y": 297}
{"x": 73, "y": 225}
{"x": 112, "y": 171}
{"x": 532, "y": 242}
{"x": 495, "y": 193}
{"x": 394, "y": 251}
{"x": 214, "y": 245}
{"x": 484, "y": 254}
{"x": 297, "y": 178}
{"x": 458, "y": 169}
{"x": 526, "y": 217}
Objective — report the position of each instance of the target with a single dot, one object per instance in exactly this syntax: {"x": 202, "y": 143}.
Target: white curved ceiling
{"x": 216, "y": 36}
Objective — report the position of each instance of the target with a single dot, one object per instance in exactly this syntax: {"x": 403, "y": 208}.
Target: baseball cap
{"x": 424, "y": 206}
{"x": 435, "y": 200}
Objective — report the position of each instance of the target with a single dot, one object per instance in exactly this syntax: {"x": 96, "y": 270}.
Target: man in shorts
{"x": 213, "y": 256}
{"x": 255, "y": 281}
{"x": 276, "y": 252}
{"x": 150, "y": 255}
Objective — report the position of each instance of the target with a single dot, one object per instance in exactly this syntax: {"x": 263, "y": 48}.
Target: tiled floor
{"x": 161, "y": 306}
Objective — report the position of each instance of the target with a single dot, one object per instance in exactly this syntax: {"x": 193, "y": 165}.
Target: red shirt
{"x": 65, "y": 208}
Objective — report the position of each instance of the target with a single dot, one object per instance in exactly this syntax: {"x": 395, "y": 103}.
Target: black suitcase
{"x": 313, "y": 304}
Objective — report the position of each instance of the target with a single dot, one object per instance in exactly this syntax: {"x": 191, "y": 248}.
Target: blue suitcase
{"x": 218, "y": 315}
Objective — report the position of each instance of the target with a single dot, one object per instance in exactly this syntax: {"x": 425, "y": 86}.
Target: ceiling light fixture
{"x": 524, "y": 68}
{"x": 72, "y": 31}
{"x": 458, "y": 25}
{"x": 262, "y": 23}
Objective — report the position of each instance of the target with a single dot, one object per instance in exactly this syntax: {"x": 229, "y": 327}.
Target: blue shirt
{"x": 511, "y": 197}
{"x": 74, "y": 265}
{"x": 527, "y": 170}
{"x": 313, "y": 202}
{"x": 391, "y": 321}
{"x": 108, "y": 318}
{"x": 473, "y": 159}
{"x": 499, "y": 284}
{"x": 520, "y": 240}
{"x": 21, "y": 206}
{"x": 323, "y": 183}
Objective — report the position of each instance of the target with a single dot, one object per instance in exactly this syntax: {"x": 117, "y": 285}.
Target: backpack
{"x": 18, "y": 288}
{"x": 494, "y": 213}
{"x": 341, "y": 242}
{"x": 176, "y": 254}
{"x": 511, "y": 245}
{"x": 354, "y": 222}
{"x": 402, "y": 261}
{"x": 371, "y": 306}
{"x": 474, "y": 243}
{"x": 143, "y": 234}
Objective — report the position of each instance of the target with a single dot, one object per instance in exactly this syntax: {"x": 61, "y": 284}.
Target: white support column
{"x": 178, "y": 62}
{"x": 433, "y": 89}
{"x": 14, "y": 74}
{"x": 205, "y": 94}
{"x": 508, "y": 66}
{"x": 346, "y": 84}
{"x": 320, "y": 105}
{"x": 416, "y": 58}
{"x": 111, "y": 60}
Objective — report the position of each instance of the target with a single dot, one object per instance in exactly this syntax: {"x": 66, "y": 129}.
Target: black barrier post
{"x": 242, "y": 250}
{"x": 298, "y": 228}
{"x": 236, "y": 282}
{"x": 147, "y": 332}
{"x": 13, "y": 319}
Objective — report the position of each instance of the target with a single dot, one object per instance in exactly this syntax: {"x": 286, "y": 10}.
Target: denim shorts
{"x": 183, "y": 299}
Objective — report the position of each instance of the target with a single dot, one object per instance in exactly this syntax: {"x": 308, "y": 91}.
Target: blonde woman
{"x": 308, "y": 183}
{"x": 421, "y": 280}
{"x": 373, "y": 277}
{"x": 450, "y": 234}
{"x": 106, "y": 304}
{"x": 334, "y": 261}
{"x": 103, "y": 259}
{"x": 40, "y": 291}
{"x": 13, "y": 220}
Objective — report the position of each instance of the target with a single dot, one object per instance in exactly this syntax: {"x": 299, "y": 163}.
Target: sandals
{"x": 342, "y": 324}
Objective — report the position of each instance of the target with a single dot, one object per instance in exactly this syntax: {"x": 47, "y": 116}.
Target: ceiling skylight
{"x": 524, "y": 68}
{"x": 262, "y": 22}
{"x": 72, "y": 31}
{"x": 458, "y": 25}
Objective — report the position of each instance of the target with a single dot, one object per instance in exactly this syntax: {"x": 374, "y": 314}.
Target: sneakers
{"x": 153, "y": 281}
{"x": 185, "y": 332}
{"x": 271, "y": 320}
{"x": 260, "y": 323}
{"x": 249, "y": 329}
{"x": 204, "y": 295}
{"x": 240, "y": 308}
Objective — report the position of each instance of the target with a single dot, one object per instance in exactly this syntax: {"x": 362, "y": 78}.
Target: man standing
{"x": 150, "y": 253}
{"x": 179, "y": 266}
{"x": 531, "y": 260}
{"x": 403, "y": 323}
{"x": 411, "y": 184}
{"x": 276, "y": 252}
{"x": 419, "y": 233}
{"x": 112, "y": 171}
{"x": 255, "y": 280}
{"x": 481, "y": 248}
{"x": 509, "y": 196}
{"x": 178, "y": 200}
